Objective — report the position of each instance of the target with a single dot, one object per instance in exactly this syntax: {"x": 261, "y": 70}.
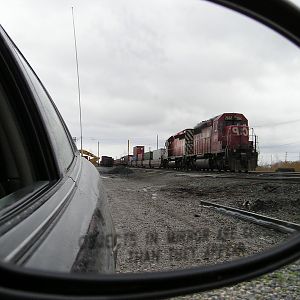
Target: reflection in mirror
{"x": 174, "y": 200}
{"x": 193, "y": 109}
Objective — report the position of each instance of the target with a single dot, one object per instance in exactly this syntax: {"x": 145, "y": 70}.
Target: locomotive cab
{"x": 239, "y": 153}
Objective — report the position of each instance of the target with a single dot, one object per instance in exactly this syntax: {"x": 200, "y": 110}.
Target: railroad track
{"x": 264, "y": 177}
{"x": 273, "y": 223}
{"x": 253, "y": 175}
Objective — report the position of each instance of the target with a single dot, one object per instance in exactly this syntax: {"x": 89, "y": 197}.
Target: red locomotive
{"x": 221, "y": 143}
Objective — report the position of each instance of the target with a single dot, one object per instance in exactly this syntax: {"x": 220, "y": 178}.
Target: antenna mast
{"x": 78, "y": 82}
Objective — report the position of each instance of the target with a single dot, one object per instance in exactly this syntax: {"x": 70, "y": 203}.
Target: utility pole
{"x": 128, "y": 149}
{"x": 98, "y": 155}
{"x": 157, "y": 142}
{"x": 286, "y": 156}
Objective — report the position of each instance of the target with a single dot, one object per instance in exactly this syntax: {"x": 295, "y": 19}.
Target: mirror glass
{"x": 194, "y": 112}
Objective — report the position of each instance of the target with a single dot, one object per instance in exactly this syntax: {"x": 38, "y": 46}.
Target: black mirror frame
{"x": 19, "y": 283}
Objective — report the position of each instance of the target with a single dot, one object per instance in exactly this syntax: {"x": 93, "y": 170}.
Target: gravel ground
{"x": 162, "y": 226}
{"x": 275, "y": 198}
{"x": 278, "y": 199}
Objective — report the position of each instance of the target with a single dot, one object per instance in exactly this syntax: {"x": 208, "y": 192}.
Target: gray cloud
{"x": 156, "y": 67}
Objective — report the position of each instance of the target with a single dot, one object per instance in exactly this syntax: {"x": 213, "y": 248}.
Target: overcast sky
{"x": 157, "y": 67}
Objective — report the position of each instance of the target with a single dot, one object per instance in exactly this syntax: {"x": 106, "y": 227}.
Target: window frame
{"x": 23, "y": 100}
{"x": 40, "y": 99}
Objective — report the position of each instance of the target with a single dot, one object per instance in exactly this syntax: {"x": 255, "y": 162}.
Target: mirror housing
{"x": 283, "y": 17}
{"x": 28, "y": 284}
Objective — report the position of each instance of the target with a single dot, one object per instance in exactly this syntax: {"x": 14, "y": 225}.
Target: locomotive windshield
{"x": 234, "y": 122}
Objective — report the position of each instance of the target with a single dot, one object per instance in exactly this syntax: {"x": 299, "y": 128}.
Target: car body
{"x": 52, "y": 199}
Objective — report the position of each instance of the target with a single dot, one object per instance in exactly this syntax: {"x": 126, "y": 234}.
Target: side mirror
{"x": 30, "y": 282}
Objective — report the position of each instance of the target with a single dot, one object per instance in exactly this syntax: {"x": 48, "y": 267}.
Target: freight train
{"x": 220, "y": 143}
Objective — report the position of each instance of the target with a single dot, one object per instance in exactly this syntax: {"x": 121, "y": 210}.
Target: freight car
{"x": 123, "y": 161}
{"x": 221, "y": 143}
{"x": 106, "y": 161}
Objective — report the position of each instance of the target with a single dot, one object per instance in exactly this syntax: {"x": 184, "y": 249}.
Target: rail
{"x": 273, "y": 223}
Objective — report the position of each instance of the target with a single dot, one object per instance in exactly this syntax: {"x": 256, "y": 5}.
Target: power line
{"x": 280, "y": 145}
{"x": 277, "y": 124}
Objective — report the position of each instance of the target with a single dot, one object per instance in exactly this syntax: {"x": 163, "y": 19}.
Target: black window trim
{"x": 28, "y": 106}
{"x": 26, "y": 81}
{"x": 17, "y": 211}
{"x": 66, "y": 131}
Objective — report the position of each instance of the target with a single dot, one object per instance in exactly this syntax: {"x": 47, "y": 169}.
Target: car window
{"x": 17, "y": 174}
{"x": 61, "y": 141}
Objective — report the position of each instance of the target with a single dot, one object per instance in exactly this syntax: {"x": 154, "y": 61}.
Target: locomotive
{"x": 221, "y": 143}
